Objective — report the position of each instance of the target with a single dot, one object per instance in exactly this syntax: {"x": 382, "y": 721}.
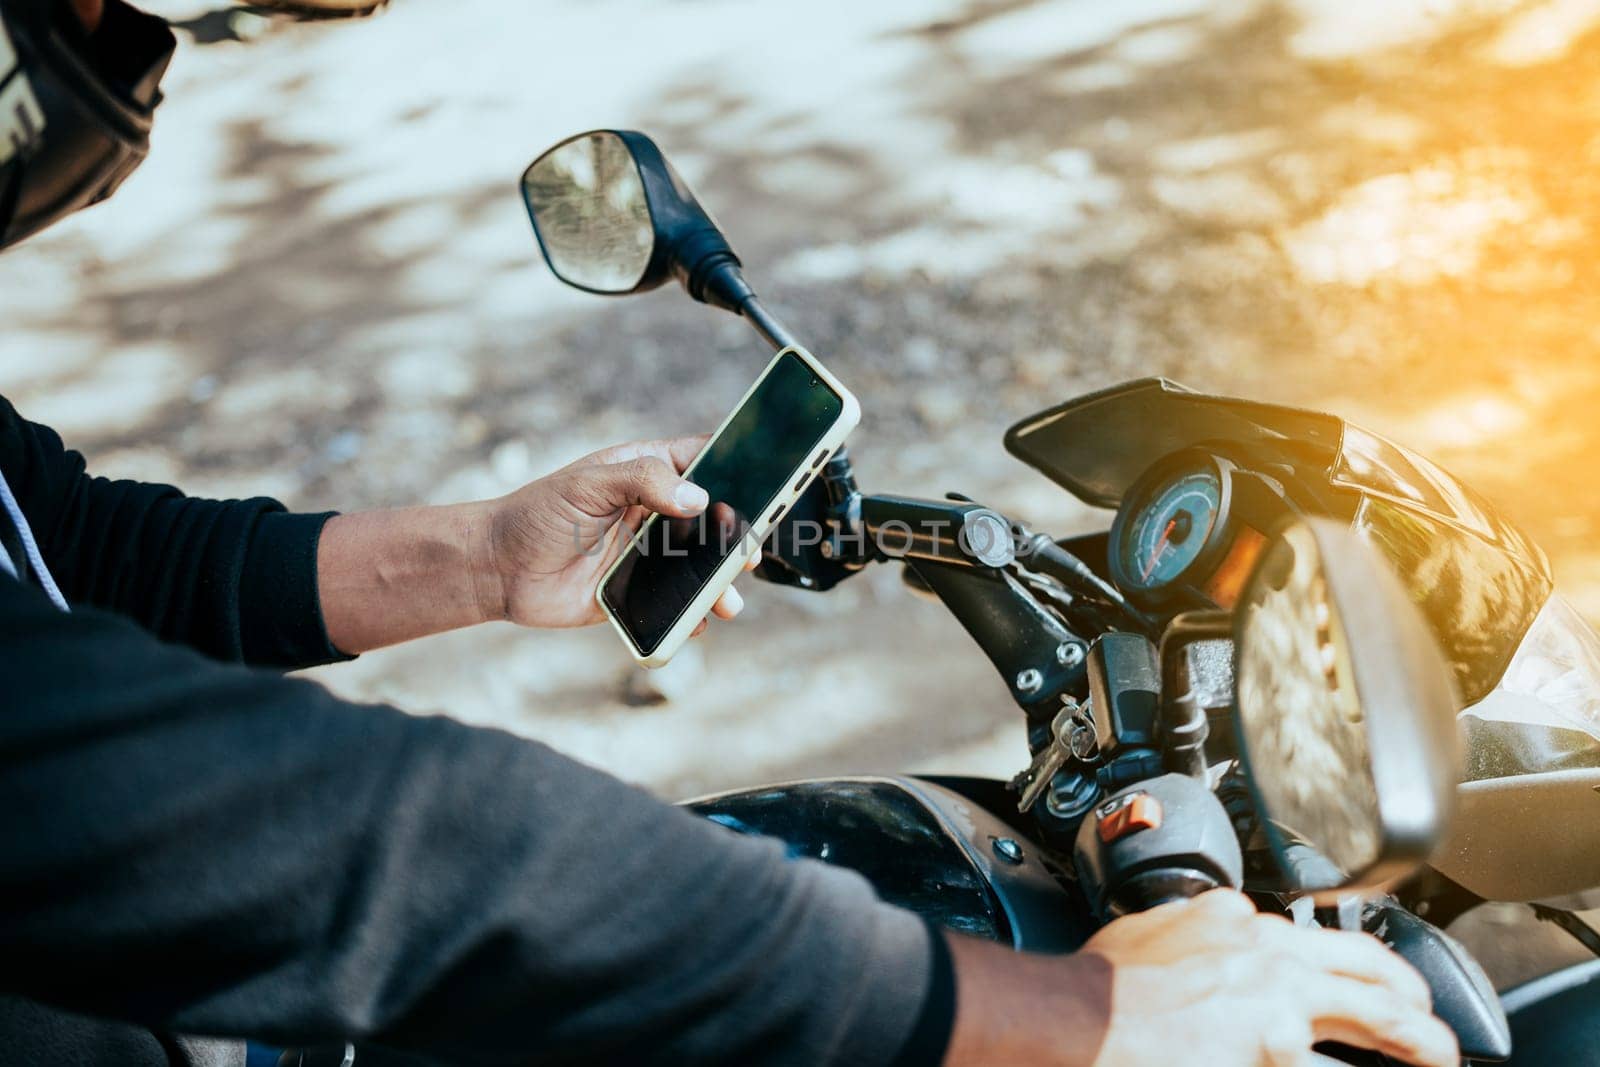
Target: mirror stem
{"x": 725, "y": 287}
{"x": 766, "y": 324}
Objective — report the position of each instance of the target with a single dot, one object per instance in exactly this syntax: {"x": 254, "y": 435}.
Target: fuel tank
{"x": 938, "y": 847}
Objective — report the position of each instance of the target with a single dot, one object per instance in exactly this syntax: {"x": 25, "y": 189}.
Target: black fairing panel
{"x": 1096, "y": 446}
{"x": 923, "y": 847}
{"x": 1479, "y": 579}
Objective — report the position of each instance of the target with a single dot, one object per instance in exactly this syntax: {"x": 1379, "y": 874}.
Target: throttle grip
{"x": 1164, "y": 839}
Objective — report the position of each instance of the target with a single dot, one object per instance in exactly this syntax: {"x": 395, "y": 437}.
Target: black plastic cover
{"x": 924, "y": 848}
{"x": 1124, "y": 691}
{"x": 1462, "y": 994}
{"x": 1096, "y": 446}
{"x": 877, "y": 829}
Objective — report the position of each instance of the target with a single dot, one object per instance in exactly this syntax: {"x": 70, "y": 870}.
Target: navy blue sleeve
{"x": 930, "y": 1037}
{"x": 235, "y": 580}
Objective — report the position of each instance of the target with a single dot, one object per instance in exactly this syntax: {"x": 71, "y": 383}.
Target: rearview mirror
{"x": 1345, "y": 710}
{"x": 586, "y": 199}
{"x": 613, "y": 217}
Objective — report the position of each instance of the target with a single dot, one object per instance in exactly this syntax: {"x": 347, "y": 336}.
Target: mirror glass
{"x": 1301, "y": 719}
{"x": 588, "y": 206}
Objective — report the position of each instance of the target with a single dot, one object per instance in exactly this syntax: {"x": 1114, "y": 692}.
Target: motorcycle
{"x": 1303, "y": 662}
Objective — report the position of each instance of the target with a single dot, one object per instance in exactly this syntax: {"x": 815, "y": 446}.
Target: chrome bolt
{"x": 1008, "y": 850}
{"x": 1029, "y": 681}
{"x": 1069, "y": 654}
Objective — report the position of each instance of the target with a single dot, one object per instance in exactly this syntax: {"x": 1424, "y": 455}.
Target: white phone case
{"x": 761, "y": 525}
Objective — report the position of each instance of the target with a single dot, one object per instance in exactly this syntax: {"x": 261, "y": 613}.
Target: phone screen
{"x": 774, "y": 434}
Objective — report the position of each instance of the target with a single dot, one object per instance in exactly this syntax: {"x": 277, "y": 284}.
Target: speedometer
{"x": 1171, "y": 523}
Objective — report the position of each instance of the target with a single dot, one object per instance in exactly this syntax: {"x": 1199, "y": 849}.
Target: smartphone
{"x": 754, "y": 467}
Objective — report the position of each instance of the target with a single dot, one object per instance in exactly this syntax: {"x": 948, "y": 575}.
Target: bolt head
{"x": 1008, "y": 850}
{"x": 1069, "y": 654}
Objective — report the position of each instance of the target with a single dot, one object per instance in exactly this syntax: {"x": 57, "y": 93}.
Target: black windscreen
{"x": 748, "y": 465}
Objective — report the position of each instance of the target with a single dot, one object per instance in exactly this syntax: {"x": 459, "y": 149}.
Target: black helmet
{"x": 75, "y": 107}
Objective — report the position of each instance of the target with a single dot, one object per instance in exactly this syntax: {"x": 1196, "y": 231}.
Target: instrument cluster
{"x": 1190, "y": 530}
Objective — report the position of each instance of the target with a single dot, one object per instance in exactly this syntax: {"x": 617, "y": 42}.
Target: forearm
{"x": 1012, "y": 1007}
{"x": 384, "y": 577}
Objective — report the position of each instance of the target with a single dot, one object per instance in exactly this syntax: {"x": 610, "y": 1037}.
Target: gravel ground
{"x": 323, "y": 287}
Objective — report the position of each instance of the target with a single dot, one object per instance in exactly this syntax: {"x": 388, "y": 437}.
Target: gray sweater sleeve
{"x": 203, "y": 848}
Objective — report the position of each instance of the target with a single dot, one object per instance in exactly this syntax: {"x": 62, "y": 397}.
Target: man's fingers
{"x": 729, "y": 604}
{"x": 754, "y": 561}
{"x": 683, "y": 450}
{"x": 1368, "y": 1016}
{"x": 1218, "y": 916}
{"x": 1224, "y": 904}
{"x": 1359, "y": 993}
{"x": 678, "y": 451}
{"x": 1288, "y": 1044}
{"x": 647, "y": 481}
{"x": 1425, "y": 1043}
{"x": 1353, "y": 955}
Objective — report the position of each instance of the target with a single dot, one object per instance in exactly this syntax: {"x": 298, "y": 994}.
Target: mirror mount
{"x": 724, "y": 287}
{"x": 719, "y": 281}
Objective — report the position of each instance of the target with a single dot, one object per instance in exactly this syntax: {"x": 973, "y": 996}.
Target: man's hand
{"x": 1208, "y": 981}
{"x": 551, "y": 542}
{"x": 534, "y": 557}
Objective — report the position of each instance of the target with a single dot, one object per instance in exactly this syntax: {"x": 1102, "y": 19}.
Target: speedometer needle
{"x": 1161, "y": 546}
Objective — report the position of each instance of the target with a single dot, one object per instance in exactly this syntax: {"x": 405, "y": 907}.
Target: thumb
{"x": 651, "y": 483}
